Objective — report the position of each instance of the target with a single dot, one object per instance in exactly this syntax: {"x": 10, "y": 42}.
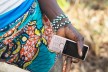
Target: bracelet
{"x": 58, "y": 26}
{"x": 57, "y": 22}
{"x": 58, "y": 18}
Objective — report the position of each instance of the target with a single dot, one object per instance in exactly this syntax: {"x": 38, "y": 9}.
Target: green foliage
{"x": 63, "y": 4}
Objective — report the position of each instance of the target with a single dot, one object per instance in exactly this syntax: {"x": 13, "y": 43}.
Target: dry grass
{"x": 93, "y": 25}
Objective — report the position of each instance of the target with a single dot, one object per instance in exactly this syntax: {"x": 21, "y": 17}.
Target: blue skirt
{"x": 24, "y": 38}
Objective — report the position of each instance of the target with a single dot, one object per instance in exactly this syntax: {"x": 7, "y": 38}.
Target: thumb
{"x": 80, "y": 47}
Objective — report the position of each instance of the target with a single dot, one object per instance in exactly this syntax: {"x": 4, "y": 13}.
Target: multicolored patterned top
{"x": 24, "y": 38}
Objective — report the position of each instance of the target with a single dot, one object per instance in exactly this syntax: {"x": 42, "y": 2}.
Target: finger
{"x": 64, "y": 62}
{"x": 80, "y": 46}
{"x": 64, "y": 58}
{"x": 68, "y": 64}
{"x": 74, "y": 60}
{"x": 73, "y": 34}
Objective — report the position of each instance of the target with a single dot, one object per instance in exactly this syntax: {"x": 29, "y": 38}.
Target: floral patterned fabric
{"x": 25, "y": 42}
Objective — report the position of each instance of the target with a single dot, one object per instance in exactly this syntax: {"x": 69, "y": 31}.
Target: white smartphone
{"x": 68, "y": 47}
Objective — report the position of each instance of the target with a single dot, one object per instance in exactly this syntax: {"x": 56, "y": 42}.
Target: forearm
{"x": 50, "y": 8}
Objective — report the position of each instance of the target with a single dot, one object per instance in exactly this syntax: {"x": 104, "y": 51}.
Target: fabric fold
{"x": 12, "y": 15}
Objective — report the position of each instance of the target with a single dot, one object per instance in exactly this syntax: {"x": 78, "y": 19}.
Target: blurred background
{"x": 90, "y": 17}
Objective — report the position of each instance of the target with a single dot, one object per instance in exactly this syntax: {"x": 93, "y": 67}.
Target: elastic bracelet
{"x": 58, "y": 23}
{"x": 58, "y": 26}
{"x": 58, "y": 18}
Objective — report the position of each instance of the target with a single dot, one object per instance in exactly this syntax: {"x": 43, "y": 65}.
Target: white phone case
{"x": 57, "y": 44}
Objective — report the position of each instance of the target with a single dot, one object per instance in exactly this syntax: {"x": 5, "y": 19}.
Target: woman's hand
{"x": 71, "y": 33}
{"x": 51, "y": 9}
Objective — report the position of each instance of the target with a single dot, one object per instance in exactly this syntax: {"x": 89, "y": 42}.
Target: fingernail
{"x": 80, "y": 53}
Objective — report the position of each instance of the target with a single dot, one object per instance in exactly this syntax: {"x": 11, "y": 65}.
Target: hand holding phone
{"x": 68, "y": 47}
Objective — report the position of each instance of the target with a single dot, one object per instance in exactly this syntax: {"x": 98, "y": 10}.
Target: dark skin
{"x": 51, "y": 9}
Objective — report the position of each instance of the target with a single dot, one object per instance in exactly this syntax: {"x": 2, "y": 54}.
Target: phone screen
{"x": 71, "y": 49}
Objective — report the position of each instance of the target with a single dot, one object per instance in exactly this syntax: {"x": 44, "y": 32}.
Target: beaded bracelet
{"x": 57, "y": 23}
{"x": 59, "y": 18}
{"x": 57, "y": 26}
